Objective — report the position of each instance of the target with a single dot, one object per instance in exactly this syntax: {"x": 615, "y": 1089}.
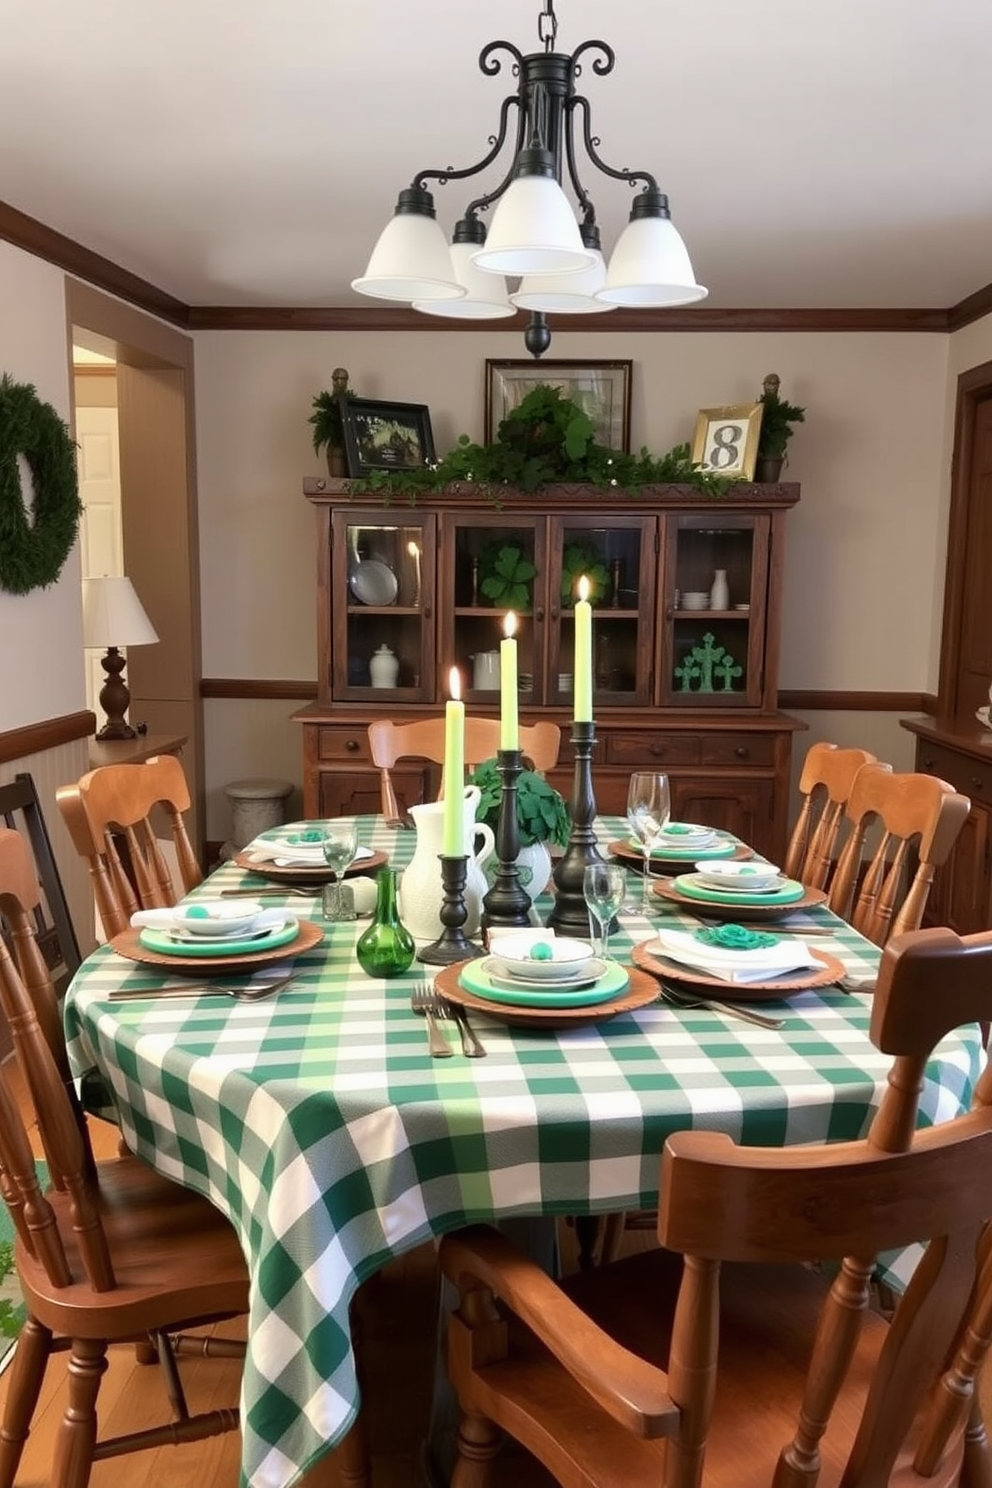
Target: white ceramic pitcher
{"x": 421, "y": 892}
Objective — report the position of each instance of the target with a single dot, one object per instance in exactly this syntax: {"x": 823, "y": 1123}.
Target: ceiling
{"x": 245, "y": 153}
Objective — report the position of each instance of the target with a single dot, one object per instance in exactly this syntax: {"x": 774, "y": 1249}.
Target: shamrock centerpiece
{"x": 736, "y": 938}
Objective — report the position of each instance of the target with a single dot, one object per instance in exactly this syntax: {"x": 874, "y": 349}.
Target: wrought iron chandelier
{"x": 534, "y": 236}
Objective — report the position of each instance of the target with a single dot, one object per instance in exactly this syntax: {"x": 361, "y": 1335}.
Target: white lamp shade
{"x": 650, "y": 266}
{"x": 113, "y": 615}
{"x": 533, "y": 231}
{"x": 410, "y": 262}
{"x": 569, "y": 294}
{"x": 485, "y": 294}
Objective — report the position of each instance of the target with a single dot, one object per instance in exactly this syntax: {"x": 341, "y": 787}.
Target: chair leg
{"x": 31, "y": 1355}
{"x": 479, "y": 1441}
{"x": 352, "y": 1457}
{"x": 976, "y": 1467}
{"x": 75, "y": 1440}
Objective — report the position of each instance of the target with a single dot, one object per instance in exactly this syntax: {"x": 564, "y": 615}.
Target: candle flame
{"x": 583, "y": 587}
{"x": 455, "y": 684}
{"x": 509, "y": 624}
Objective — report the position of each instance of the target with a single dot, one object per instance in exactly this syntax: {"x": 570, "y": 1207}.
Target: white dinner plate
{"x": 374, "y": 583}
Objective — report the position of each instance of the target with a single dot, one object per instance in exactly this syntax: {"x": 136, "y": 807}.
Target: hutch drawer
{"x": 757, "y": 750}
{"x": 349, "y": 743}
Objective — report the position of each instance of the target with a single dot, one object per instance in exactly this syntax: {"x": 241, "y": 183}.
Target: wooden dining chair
{"x": 424, "y": 739}
{"x": 727, "y": 1357}
{"x": 917, "y": 819}
{"x": 824, "y": 787}
{"x": 111, "y": 1253}
{"x": 109, "y": 814}
{"x": 21, "y": 810}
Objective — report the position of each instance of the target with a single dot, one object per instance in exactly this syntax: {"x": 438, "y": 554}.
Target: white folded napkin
{"x": 760, "y": 965}
{"x": 262, "y": 851}
{"x": 176, "y": 920}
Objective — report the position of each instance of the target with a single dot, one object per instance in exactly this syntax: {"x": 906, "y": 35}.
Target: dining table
{"x": 318, "y": 1121}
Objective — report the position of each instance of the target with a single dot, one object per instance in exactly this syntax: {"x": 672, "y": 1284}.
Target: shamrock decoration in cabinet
{"x": 703, "y": 663}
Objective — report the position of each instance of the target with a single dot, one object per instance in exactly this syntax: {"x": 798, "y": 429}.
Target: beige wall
{"x": 41, "y": 649}
{"x": 862, "y": 589}
{"x": 860, "y": 597}
{"x": 864, "y": 570}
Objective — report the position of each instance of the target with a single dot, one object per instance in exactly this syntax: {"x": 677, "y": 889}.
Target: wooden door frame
{"x": 136, "y": 340}
{"x": 974, "y": 387}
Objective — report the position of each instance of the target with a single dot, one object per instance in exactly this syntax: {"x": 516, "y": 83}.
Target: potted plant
{"x": 542, "y": 818}
{"x": 328, "y": 433}
{"x": 777, "y": 419}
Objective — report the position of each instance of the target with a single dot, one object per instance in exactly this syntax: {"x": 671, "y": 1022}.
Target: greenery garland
{"x": 546, "y": 438}
{"x": 33, "y": 552}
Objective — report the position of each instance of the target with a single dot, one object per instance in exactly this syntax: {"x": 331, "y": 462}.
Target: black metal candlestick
{"x": 452, "y": 944}
{"x": 570, "y": 913}
{"x": 507, "y": 902}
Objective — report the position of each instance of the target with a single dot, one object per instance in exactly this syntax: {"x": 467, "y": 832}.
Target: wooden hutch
{"x": 692, "y": 692}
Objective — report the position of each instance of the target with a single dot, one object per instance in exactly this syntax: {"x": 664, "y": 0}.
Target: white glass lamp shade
{"x": 113, "y": 615}
{"x": 650, "y": 267}
{"x": 485, "y": 294}
{"x": 410, "y": 262}
{"x": 533, "y": 231}
{"x": 568, "y": 294}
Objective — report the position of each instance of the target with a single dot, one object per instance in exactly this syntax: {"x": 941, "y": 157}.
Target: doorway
{"x": 158, "y": 513}
{"x": 966, "y": 641}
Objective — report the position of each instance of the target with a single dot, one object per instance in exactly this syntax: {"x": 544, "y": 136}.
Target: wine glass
{"x": 339, "y": 843}
{"x": 649, "y": 807}
{"x": 602, "y": 887}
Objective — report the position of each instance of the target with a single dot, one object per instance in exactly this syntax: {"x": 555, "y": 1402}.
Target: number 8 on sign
{"x": 724, "y": 446}
{"x": 726, "y": 441}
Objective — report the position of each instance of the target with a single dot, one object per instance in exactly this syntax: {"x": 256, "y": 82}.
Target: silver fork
{"x": 472, "y": 1048}
{"x": 729, "y": 1009}
{"x": 422, "y": 1001}
{"x": 202, "y": 989}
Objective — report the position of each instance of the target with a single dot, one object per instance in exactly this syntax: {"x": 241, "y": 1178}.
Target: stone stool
{"x": 256, "y": 805}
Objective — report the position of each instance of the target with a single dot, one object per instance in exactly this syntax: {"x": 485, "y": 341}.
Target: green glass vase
{"x": 386, "y": 948}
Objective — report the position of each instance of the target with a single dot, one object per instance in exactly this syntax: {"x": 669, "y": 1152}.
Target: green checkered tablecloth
{"x": 319, "y": 1124}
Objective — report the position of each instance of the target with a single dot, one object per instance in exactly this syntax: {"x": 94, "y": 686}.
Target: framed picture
{"x": 601, "y": 389}
{"x": 385, "y": 436}
{"x": 726, "y": 441}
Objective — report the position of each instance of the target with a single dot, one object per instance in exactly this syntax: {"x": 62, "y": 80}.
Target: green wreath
{"x": 32, "y": 553}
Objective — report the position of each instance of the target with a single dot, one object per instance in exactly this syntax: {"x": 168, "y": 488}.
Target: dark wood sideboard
{"x": 960, "y": 752}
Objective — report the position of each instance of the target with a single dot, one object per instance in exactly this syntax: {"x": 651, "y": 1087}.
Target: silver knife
{"x": 471, "y": 1047}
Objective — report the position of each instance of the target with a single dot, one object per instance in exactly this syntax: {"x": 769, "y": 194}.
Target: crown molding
{"x": 397, "y": 318}
{"x": 44, "y": 242}
{"x": 972, "y": 308}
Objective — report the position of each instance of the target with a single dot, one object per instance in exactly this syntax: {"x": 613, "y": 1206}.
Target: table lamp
{"x": 113, "y": 617}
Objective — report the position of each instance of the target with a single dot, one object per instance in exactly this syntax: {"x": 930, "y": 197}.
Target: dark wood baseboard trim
{"x": 51, "y": 733}
{"x": 854, "y": 702}
{"x": 247, "y": 690}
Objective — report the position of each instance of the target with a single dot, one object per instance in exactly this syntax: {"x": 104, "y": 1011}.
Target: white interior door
{"x": 100, "y": 529}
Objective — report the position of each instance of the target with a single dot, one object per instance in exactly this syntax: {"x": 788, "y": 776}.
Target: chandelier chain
{"x": 547, "y": 26}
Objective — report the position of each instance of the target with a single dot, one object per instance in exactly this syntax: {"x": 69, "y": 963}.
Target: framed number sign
{"x": 726, "y": 441}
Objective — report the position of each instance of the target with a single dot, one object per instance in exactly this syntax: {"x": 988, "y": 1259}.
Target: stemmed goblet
{"x": 602, "y": 887}
{"x": 339, "y": 843}
{"x": 649, "y": 807}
